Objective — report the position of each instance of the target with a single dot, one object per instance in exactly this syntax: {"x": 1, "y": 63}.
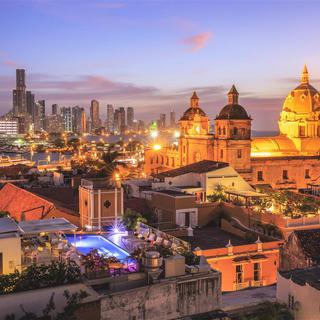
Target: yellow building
{"x": 287, "y": 161}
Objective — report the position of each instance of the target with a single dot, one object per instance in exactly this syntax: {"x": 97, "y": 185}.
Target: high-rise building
{"x": 172, "y": 119}
{"x": 55, "y": 108}
{"x": 54, "y": 123}
{"x": 162, "y": 121}
{"x": 122, "y": 119}
{"x": 9, "y": 125}
{"x": 78, "y": 119}
{"x": 30, "y": 104}
{"x": 19, "y": 94}
{"x": 67, "y": 118}
{"x": 41, "y": 113}
{"x": 110, "y": 118}
{"x": 94, "y": 114}
{"x": 117, "y": 121}
{"x": 83, "y": 122}
{"x": 130, "y": 117}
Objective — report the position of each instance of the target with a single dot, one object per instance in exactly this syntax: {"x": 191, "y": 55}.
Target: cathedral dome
{"x": 304, "y": 98}
{"x": 194, "y": 109}
{"x": 233, "y": 110}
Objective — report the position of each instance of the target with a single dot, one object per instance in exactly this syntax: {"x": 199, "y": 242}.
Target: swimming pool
{"x": 86, "y": 242}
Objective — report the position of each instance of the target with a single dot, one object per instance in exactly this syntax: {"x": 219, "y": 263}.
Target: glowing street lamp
{"x": 176, "y": 134}
{"x": 157, "y": 147}
{"x": 154, "y": 134}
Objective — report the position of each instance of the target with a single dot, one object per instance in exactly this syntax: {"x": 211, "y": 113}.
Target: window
{"x": 260, "y": 176}
{"x": 239, "y": 273}
{"x": 235, "y": 131}
{"x": 184, "y": 149}
{"x": 302, "y": 131}
{"x": 221, "y": 154}
{"x": 219, "y": 130}
{"x": 239, "y": 153}
{"x": 285, "y": 175}
{"x": 291, "y": 302}
{"x": 224, "y": 131}
{"x": 151, "y": 160}
{"x": 256, "y": 271}
{"x": 307, "y": 174}
{"x": 167, "y": 161}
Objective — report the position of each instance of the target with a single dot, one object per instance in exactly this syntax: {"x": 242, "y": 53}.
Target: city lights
{"x": 157, "y": 147}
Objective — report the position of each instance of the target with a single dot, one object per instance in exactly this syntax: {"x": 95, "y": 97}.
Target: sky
{"x": 152, "y": 54}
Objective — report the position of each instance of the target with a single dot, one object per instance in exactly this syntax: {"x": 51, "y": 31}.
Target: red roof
{"x": 22, "y": 203}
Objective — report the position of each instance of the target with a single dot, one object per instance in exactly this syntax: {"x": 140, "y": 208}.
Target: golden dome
{"x": 304, "y": 98}
{"x": 272, "y": 146}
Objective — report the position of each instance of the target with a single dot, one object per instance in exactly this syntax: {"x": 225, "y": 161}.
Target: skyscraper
{"x": 78, "y": 119}
{"x": 117, "y": 121}
{"x": 55, "y": 108}
{"x": 19, "y": 94}
{"x": 94, "y": 114}
{"x": 172, "y": 119}
{"x": 122, "y": 119}
{"x": 162, "y": 121}
{"x": 110, "y": 118}
{"x": 67, "y": 118}
{"x": 30, "y": 104}
{"x": 130, "y": 117}
{"x": 41, "y": 113}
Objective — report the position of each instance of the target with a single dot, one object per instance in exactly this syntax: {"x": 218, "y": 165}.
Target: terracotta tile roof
{"x": 310, "y": 243}
{"x": 197, "y": 167}
{"x": 20, "y": 202}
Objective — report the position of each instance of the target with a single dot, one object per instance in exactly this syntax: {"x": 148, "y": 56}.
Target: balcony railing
{"x": 241, "y": 285}
{"x": 257, "y": 283}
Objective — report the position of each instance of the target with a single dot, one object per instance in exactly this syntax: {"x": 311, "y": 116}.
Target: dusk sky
{"x": 151, "y": 54}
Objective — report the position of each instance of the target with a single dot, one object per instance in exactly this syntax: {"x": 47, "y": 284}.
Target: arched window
{"x": 162, "y": 159}
{"x": 167, "y": 161}
{"x": 221, "y": 154}
{"x": 224, "y": 131}
{"x": 219, "y": 130}
{"x": 172, "y": 162}
{"x": 151, "y": 160}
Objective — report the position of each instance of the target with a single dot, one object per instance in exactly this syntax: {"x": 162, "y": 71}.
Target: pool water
{"x": 86, "y": 242}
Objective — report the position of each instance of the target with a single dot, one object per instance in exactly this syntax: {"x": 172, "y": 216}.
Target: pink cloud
{"x": 10, "y": 63}
{"x": 198, "y": 41}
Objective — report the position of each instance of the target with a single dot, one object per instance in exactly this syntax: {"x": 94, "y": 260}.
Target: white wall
{"x": 36, "y": 300}
{"x": 11, "y": 253}
{"x": 308, "y": 298}
{"x": 226, "y": 177}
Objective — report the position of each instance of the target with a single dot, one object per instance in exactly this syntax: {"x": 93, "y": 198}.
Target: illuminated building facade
{"x": 287, "y": 161}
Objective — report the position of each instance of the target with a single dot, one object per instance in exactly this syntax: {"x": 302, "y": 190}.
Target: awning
{"x": 46, "y": 225}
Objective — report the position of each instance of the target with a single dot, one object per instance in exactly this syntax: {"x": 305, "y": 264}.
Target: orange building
{"x": 287, "y": 161}
{"x": 242, "y": 264}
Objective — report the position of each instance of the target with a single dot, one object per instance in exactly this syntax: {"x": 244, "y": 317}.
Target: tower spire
{"x": 194, "y": 100}
{"x": 233, "y": 95}
{"x": 305, "y": 75}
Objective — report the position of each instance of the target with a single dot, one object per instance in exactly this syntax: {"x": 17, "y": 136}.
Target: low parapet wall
{"x": 36, "y": 300}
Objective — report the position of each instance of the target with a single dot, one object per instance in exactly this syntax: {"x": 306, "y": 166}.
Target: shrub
{"x": 40, "y": 276}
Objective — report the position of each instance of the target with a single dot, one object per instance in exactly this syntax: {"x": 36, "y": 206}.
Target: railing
{"x": 164, "y": 235}
{"x": 257, "y": 283}
{"x": 241, "y": 285}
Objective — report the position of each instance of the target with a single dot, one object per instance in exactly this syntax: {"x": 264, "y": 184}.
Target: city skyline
{"x": 203, "y": 46}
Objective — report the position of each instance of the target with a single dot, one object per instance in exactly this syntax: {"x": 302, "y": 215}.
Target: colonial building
{"x": 287, "y": 161}
{"x": 301, "y": 250}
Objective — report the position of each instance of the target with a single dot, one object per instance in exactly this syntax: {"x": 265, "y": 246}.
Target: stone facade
{"x": 287, "y": 161}
{"x": 169, "y": 299}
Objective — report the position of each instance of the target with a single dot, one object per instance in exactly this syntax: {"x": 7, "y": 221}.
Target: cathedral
{"x": 287, "y": 161}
